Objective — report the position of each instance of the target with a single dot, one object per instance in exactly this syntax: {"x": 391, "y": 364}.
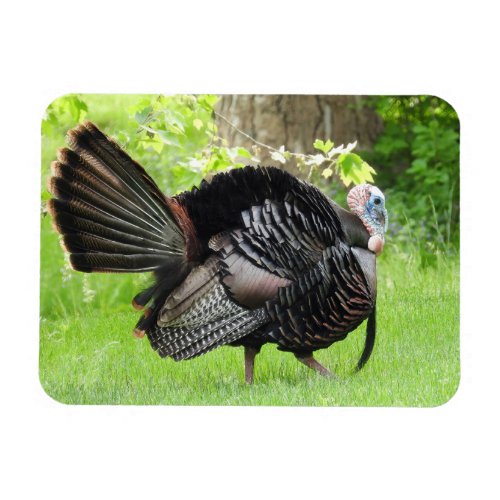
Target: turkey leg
{"x": 250, "y": 353}
{"x": 309, "y": 361}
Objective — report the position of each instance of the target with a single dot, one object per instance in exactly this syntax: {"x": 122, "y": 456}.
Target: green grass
{"x": 89, "y": 356}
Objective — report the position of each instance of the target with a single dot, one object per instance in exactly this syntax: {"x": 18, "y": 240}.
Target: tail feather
{"x": 70, "y": 224}
{"x": 111, "y": 214}
{"x": 114, "y": 263}
{"x": 84, "y": 242}
{"x": 371, "y": 330}
{"x": 81, "y": 180}
{"x": 108, "y": 158}
{"x": 86, "y": 211}
{"x": 73, "y": 192}
{"x": 142, "y": 298}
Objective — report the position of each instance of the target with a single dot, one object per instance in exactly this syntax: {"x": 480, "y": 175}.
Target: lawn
{"x": 88, "y": 354}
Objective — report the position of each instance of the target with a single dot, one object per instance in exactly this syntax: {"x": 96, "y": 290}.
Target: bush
{"x": 417, "y": 158}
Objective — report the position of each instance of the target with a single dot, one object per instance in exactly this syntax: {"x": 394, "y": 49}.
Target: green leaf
{"x": 153, "y": 143}
{"x": 328, "y": 146}
{"x": 157, "y": 145}
{"x": 77, "y": 108}
{"x": 197, "y": 123}
{"x": 142, "y": 115}
{"x": 49, "y": 123}
{"x": 345, "y": 179}
{"x": 328, "y": 172}
{"x": 354, "y": 170}
{"x": 68, "y": 108}
{"x": 207, "y": 101}
{"x": 174, "y": 121}
{"x": 167, "y": 138}
{"x": 348, "y": 161}
{"x": 211, "y": 128}
{"x": 244, "y": 153}
{"x": 323, "y": 146}
{"x": 419, "y": 165}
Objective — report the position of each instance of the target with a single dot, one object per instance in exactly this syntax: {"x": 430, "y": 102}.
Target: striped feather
{"x": 111, "y": 214}
{"x": 81, "y": 176}
{"x": 114, "y": 263}
{"x": 109, "y": 159}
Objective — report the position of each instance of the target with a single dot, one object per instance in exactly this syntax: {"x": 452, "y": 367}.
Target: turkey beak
{"x": 382, "y": 218}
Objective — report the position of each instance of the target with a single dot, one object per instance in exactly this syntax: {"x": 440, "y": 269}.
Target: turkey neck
{"x": 355, "y": 232}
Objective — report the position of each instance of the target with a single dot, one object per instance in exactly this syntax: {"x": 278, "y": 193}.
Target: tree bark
{"x": 295, "y": 121}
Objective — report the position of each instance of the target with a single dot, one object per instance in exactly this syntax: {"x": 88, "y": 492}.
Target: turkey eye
{"x": 377, "y": 201}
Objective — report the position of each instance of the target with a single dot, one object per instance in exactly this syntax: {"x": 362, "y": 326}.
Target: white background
{"x": 54, "y": 451}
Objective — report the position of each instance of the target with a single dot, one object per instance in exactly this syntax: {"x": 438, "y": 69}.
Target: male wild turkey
{"x": 254, "y": 256}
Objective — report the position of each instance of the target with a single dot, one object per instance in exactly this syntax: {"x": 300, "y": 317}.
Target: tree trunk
{"x": 295, "y": 121}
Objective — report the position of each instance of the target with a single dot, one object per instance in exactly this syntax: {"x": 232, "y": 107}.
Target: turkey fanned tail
{"x": 111, "y": 214}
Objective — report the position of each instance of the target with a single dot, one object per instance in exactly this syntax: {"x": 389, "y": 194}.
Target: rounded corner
{"x": 448, "y": 103}
{"x": 52, "y": 101}
{"x": 48, "y": 394}
{"x": 452, "y": 395}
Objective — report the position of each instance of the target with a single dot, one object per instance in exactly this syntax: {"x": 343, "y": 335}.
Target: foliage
{"x": 175, "y": 137}
{"x": 182, "y": 127}
{"x": 68, "y": 105}
{"x": 349, "y": 167}
{"x": 179, "y": 131}
{"x": 417, "y": 157}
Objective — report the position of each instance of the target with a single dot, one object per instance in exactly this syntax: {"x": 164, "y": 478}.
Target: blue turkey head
{"x": 368, "y": 203}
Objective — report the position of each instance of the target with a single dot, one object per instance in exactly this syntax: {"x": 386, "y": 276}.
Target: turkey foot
{"x": 310, "y": 362}
{"x": 250, "y": 353}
